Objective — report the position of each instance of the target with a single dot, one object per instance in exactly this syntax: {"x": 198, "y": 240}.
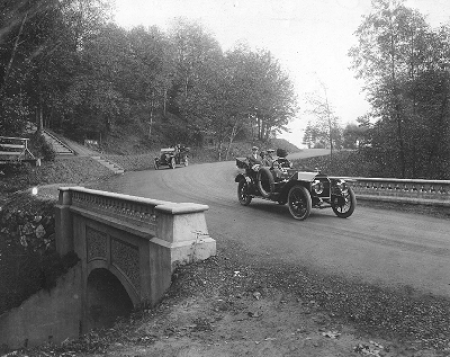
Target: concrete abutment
{"x": 128, "y": 248}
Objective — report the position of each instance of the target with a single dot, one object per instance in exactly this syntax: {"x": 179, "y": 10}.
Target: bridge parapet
{"x": 140, "y": 240}
{"x": 417, "y": 191}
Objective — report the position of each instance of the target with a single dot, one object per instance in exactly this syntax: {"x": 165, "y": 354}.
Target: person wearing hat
{"x": 254, "y": 157}
{"x": 264, "y": 159}
{"x": 282, "y": 160}
{"x": 269, "y": 155}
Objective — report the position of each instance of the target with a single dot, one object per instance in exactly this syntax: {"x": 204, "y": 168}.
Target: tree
{"x": 402, "y": 60}
{"x": 325, "y": 127}
{"x": 195, "y": 54}
{"x": 393, "y": 50}
{"x": 40, "y": 54}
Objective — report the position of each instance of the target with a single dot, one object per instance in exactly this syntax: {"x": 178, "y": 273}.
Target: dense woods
{"x": 65, "y": 64}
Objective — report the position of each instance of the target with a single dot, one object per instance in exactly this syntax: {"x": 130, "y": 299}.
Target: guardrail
{"x": 14, "y": 150}
{"x": 412, "y": 191}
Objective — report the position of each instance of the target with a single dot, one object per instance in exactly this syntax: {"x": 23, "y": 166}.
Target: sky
{"x": 310, "y": 39}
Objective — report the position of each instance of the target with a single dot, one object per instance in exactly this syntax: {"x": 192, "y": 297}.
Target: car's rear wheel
{"x": 344, "y": 205}
{"x": 299, "y": 202}
{"x": 173, "y": 163}
{"x": 242, "y": 192}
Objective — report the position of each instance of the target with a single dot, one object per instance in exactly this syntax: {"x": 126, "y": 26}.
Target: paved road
{"x": 377, "y": 246}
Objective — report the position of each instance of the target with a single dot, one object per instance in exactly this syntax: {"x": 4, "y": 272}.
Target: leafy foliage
{"x": 404, "y": 63}
{"x": 65, "y": 66}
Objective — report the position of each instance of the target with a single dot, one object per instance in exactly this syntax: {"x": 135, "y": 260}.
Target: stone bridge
{"x": 128, "y": 246}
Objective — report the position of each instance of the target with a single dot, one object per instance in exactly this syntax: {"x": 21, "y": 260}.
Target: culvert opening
{"x": 107, "y": 299}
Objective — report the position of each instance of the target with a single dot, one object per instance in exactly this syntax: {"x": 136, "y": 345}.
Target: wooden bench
{"x": 14, "y": 150}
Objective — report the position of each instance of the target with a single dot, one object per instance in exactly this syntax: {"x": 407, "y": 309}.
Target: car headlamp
{"x": 341, "y": 184}
{"x": 318, "y": 187}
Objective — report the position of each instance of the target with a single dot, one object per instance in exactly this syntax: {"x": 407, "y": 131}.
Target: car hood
{"x": 305, "y": 175}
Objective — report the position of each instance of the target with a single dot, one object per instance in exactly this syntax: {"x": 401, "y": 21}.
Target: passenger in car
{"x": 269, "y": 156}
{"x": 254, "y": 157}
{"x": 283, "y": 162}
{"x": 264, "y": 159}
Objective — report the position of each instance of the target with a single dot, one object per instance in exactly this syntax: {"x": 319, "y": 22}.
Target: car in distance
{"x": 172, "y": 157}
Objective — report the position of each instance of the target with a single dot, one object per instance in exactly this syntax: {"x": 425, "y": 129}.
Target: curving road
{"x": 377, "y": 246}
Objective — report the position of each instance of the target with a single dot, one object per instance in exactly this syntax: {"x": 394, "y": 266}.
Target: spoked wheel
{"x": 343, "y": 206}
{"x": 156, "y": 164}
{"x": 265, "y": 182}
{"x": 173, "y": 163}
{"x": 299, "y": 202}
{"x": 186, "y": 162}
{"x": 243, "y": 196}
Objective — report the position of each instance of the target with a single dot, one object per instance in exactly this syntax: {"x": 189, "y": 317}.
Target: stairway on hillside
{"x": 57, "y": 145}
{"x": 70, "y": 148}
{"x": 109, "y": 164}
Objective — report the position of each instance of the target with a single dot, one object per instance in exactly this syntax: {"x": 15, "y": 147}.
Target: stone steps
{"x": 57, "y": 145}
{"x": 109, "y": 164}
{"x": 64, "y": 150}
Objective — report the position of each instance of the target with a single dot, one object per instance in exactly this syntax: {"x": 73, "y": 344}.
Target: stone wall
{"x": 34, "y": 305}
{"x": 28, "y": 259}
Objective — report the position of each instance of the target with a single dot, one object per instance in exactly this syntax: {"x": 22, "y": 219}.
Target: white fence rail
{"x": 426, "y": 192}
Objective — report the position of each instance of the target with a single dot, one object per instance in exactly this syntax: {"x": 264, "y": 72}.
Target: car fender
{"x": 242, "y": 176}
{"x": 285, "y": 190}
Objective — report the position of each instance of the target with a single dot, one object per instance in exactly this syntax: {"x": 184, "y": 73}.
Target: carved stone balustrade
{"x": 416, "y": 191}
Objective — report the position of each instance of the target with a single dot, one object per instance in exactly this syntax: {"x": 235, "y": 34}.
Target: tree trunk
{"x": 13, "y": 54}
{"x": 397, "y": 115}
{"x": 232, "y": 136}
{"x": 165, "y": 102}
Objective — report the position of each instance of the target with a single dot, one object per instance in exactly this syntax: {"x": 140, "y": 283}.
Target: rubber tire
{"x": 186, "y": 162}
{"x": 352, "y": 199}
{"x": 156, "y": 164}
{"x": 265, "y": 171}
{"x": 173, "y": 163}
{"x": 294, "y": 193}
{"x": 243, "y": 199}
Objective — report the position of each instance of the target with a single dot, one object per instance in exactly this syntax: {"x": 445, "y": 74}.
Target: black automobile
{"x": 172, "y": 157}
{"x": 301, "y": 190}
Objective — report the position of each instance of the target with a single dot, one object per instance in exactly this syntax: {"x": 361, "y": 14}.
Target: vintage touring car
{"x": 172, "y": 157}
{"x": 301, "y": 190}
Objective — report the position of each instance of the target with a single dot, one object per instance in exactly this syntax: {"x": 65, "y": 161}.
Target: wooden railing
{"x": 416, "y": 191}
{"x": 14, "y": 150}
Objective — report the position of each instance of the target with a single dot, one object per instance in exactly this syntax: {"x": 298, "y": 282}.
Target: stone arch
{"x": 107, "y": 298}
{"x": 127, "y": 285}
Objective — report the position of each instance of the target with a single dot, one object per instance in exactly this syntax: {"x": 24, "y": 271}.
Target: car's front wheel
{"x": 299, "y": 202}
{"x": 173, "y": 163}
{"x": 156, "y": 164}
{"x": 242, "y": 192}
{"x": 344, "y": 205}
